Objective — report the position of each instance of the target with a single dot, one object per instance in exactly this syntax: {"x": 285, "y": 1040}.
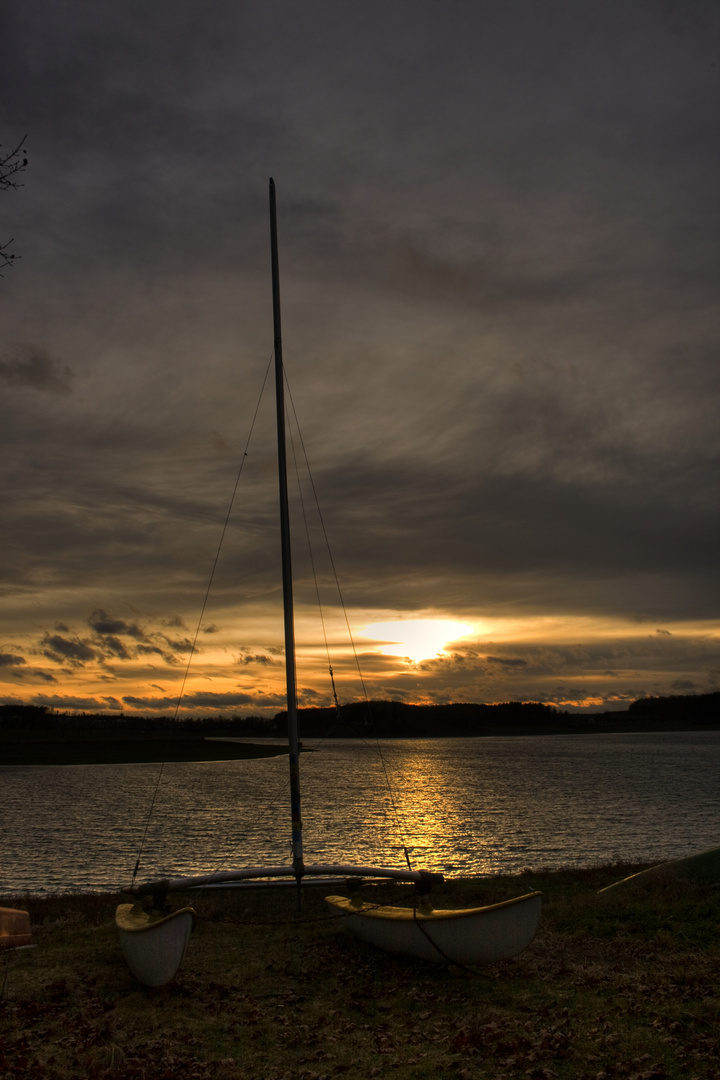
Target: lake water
{"x": 462, "y": 806}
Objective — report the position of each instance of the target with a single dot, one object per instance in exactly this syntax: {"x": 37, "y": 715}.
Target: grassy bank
{"x": 623, "y": 985}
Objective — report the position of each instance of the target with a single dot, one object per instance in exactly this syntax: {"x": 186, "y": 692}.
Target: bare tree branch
{"x": 11, "y": 164}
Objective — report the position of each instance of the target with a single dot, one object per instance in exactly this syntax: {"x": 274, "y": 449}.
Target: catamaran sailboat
{"x": 154, "y": 942}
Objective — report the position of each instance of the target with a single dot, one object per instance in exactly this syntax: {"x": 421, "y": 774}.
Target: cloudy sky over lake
{"x": 498, "y": 245}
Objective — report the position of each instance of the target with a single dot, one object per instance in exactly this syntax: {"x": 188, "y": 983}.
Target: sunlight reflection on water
{"x": 462, "y": 806}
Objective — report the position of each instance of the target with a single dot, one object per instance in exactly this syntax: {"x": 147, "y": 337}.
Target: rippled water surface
{"x": 461, "y": 806}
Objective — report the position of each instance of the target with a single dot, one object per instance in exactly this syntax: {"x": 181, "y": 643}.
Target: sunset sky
{"x": 499, "y": 255}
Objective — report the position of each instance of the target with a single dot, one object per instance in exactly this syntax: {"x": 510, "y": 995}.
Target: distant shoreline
{"x": 133, "y": 749}
{"x": 129, "y": 750}
{"x": 35, "y": 735}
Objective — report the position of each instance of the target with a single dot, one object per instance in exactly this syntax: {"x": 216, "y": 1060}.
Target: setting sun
{"x": 416, "y": 639}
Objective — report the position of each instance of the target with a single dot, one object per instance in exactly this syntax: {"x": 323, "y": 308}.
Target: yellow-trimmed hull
{"x": 15, "y": 930}
{"x": 153, "y": 945}
{"x": 481, "y": 935}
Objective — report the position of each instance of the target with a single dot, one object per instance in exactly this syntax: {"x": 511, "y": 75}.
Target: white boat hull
{"x": 153, "y": 945}
{"x": 470, "y": 936}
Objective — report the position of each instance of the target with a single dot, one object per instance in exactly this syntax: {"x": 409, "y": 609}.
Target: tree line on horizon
{"x": 357, "y": 719}
{"x": 700, "y": 706}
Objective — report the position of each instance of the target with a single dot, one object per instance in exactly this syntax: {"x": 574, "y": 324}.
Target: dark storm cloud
{"x": 67, "y": 650}
{"x": 35, "y": 369}
{"x": 127, "y": 126}
{"x": 70, "y": 701}
{"x": 564, "y": 534}
{"x": 103, "y": 514}
{"x": 145, "y": 703}
{"x": 509, "y": 661}
{"x": 646, "y": 652}
{"x": 208, "y": 700}
{"x": 106, "y": 646}
{"x": 114, "y": 646}
{"x": 26, "y": 676}
{"x": 181, "y": 645}
{"x": 259, "y": 658}
{"x": 498, "y": 241}
{"x": 400, "y": 693}
{"x": 104, "y": 624}
{"x": 11, "y": 660}
{"x": 192, "y": 104}
{"x": 150, "y": 650}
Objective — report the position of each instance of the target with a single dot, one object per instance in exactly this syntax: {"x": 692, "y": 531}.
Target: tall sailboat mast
{"x": 159, "y": 887}
{"x": 297, "y": 850}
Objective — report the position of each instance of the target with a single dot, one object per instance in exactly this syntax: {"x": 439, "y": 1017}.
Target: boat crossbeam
{"x": 326, "y": 870}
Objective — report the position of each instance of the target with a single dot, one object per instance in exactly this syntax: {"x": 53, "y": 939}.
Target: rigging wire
{"x": 202, "y": 611}
{"x": 377, "y": 747}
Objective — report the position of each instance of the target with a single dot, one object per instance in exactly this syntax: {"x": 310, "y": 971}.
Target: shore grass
{"x": 622, "y": 985}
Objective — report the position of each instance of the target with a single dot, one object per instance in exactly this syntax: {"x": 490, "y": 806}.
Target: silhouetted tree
{"x": 11, "y": 165}
{"x": 677, "y": 706}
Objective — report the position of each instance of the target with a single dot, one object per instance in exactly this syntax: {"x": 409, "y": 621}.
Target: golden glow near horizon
{"x": 416, "y": 639}
{"x": 427, "y": 656}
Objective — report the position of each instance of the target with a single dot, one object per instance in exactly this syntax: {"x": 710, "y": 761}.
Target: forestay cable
{"x": 202, "y": 612}
{"x": 336, "y": 579}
